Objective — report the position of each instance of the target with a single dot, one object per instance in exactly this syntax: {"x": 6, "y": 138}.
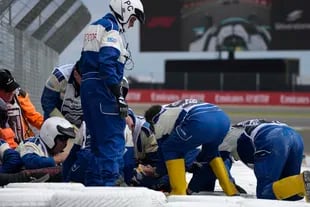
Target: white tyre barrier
{"x": 110, "y": 197}
{"x": 201, "y": 204}
{"x": 235, "y": 201}
{"x": 20, "y": 197}
{"x": 56, "y": 186}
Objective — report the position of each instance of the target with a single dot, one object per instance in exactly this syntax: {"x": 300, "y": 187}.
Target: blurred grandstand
{"x": 33, "y": 33}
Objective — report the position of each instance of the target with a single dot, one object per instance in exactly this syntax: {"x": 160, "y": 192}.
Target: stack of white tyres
{"x": 74, "y": 194}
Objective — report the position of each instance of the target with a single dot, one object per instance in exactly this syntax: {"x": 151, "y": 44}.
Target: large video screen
{"x": 215, "y": 25}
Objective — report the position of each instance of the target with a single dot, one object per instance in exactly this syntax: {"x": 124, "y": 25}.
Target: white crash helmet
{"x": 124, "y": 9}
{"x": 53, "y": 127}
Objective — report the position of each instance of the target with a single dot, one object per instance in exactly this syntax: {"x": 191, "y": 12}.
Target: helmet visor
{"x": 66, "y": 132}
{"x": 140, "y": 15}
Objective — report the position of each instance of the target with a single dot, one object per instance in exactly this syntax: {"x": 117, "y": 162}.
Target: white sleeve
{"x": 229, "y": 143}
{"x": 128, "y": 137}
{"x": 29, "y": 147}
{"x": 3, "y": 148}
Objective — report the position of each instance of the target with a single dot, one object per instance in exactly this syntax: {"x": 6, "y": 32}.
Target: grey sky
{"x": 150, "y": 66}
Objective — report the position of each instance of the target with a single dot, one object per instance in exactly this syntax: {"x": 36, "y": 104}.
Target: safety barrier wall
{"x": 66, "y": 195}
{"x": 75, "y": 194}
{"x": 219, "y": 97}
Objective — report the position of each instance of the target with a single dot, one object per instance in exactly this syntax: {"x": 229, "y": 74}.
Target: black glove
{"x": 194, "y": 167}
{"x": 240, "y": 189}
{"x": 123, "y": 107}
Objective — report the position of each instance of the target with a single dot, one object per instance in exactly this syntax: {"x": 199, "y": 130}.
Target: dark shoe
{"x": 240, "y": 189}
{"x": 306, "y": 176}
{"x": 42, "y": 179}
{"x": 35, "y": 177}
{"x": 55, "y": 173}
{"x": 22, "y": 177}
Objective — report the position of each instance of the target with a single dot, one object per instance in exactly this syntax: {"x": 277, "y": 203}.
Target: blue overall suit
{"x": 145, "y": 152}
{"x": 75, "y": 166}
{"x": 102, "y": 67}
{"x": 181, "y": 127}
{"x": 274, "y": 150}
{"x": 142, "y": 148}
{"x": 11, "y": 161}
{"x": 194, "y": 123}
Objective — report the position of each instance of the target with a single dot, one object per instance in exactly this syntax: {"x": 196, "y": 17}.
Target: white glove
{"x": 3, "y": 147}
{"x": 128, "y": 137}
{"x": 81, "y": 133}
{"x": 229, "y": 143}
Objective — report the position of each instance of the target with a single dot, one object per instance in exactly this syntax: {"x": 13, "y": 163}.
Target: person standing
{"x": 103, "y": 59}
{"x": 75, "y": 165}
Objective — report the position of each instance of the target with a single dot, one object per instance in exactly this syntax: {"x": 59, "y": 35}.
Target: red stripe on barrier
{"x": 218, "y": 97}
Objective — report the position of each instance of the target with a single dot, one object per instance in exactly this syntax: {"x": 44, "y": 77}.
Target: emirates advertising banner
{"x": 215, "y": 25}
{"x": 220, "y": 97}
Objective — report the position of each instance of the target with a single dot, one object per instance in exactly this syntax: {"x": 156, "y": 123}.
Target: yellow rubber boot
{"x": 176, "y": 172}
{"x": 292, "y": 185}
{"x": 221, "y": 173}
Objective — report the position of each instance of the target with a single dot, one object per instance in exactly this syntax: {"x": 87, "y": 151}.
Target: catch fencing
{"x": 29, "y": 60}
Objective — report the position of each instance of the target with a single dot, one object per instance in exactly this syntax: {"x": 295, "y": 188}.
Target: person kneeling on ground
{"x": 275, "y": 151}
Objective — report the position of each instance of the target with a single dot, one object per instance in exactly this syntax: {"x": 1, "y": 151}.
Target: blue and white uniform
{"x": 144, "y": 140}
{"x": 34, "y": 154}
{"x": 272, "y": 148}
{"x": 76, "y": 164}
{"x": 181, "y": 127}
{"x": 146, "y": 151}
{"x": 63, "y": 93}
{"x": 10, "y": 161}
{"x": 141, "y": 146}
{"x": 184, "y": 125}
{"x": 102, "y": 67}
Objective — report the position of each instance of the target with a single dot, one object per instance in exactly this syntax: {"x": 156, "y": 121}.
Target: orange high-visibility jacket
{"x": 30, "y": 114}
{"x": 22, "y": 116}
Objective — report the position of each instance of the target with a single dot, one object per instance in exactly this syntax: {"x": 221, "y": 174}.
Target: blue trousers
{"x": 107, "y": 142}
{"x": 207, "y": 129}
{"x": 74, "y": 167}
{"x": 279, "y": 152}
{"x": 129, "y": 164}
{"x": 11, "y": 162}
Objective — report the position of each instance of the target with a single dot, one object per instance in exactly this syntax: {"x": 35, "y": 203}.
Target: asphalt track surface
{"x": 297, "y": 117}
